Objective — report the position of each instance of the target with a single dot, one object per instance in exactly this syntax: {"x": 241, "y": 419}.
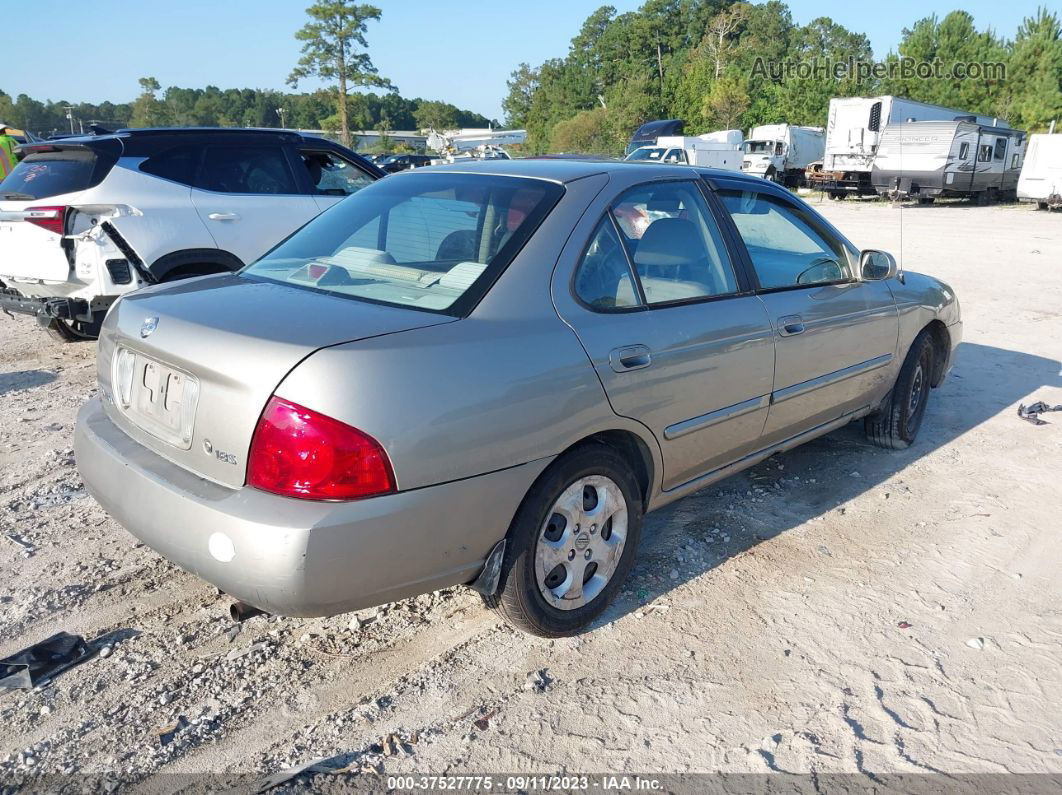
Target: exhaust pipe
{"x": 241, "y": 611}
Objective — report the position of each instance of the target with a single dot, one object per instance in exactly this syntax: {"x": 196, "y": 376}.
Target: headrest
{"x": 669, "y": 242}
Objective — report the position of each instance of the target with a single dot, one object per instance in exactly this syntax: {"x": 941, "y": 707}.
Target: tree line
{"x": 238, "y": 107}
{"x": 707, "y": 62}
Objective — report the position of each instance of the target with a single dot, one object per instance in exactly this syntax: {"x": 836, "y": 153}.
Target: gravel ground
{"x": 839, "y": 608}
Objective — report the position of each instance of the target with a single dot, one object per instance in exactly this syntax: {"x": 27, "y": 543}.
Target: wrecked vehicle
{"x": 86, "y": 219}
{"x": 487, "y": 373}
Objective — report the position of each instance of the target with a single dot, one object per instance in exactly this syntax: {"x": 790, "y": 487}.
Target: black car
{"x": 396, "y": 163}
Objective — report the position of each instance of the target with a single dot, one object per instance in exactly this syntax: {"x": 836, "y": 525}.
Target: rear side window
{"x": 603, "y": 280}
{"x": 786, "y": 248}
{"x": 177, "y": 164}
{"x": 1001, "y": 148}
{"x": 426, "y": 241}
{"x": 48, "y": 174}
{"x": 246, "y": 169}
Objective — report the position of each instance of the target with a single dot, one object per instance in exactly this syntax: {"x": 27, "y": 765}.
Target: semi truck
{"x": 853, "y": 132}
{"x": 782, "y": 152}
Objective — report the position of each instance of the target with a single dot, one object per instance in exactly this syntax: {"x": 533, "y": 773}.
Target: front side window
{"x": 331, "y": 175}
{"x": 674, "y": 243}
{"x": 786, "y": 248}
{"x": 984, "y": 153}
{"x": 246, "y": 169}
{"x": 964, "y": 150}
{"x": 426, "y": 241}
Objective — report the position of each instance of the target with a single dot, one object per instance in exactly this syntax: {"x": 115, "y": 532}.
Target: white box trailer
{"x": 782, "y": 152}
{"x": 1041, "y": 175}
{"x": 720, "y": 149}
{"x": 853, "y": 132}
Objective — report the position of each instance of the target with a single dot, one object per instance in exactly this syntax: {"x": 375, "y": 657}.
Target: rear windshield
{"x": 47, "y": 174}
{"x": 426, "y": 241}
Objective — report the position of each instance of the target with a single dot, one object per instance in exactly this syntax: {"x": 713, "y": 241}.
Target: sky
{"x": 457, "y": 51}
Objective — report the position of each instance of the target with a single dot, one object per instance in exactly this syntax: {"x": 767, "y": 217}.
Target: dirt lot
{"x": 839, "y": 608}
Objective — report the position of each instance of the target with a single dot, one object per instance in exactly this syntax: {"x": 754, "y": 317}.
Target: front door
{"x": 249, "y": 199}
{"x": 674, "y": 332}
{"x": 835, "y": 336}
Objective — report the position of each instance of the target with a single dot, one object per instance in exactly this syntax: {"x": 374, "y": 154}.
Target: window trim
{"x": 812, "y": 221}
{"x": 745, "y": 287}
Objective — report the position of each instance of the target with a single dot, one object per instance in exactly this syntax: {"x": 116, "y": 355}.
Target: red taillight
{"x": 50, "y": 218}
{"x": 297, "y": 452}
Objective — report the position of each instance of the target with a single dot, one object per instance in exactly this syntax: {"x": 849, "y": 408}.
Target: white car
{"x": 85, "y": 220}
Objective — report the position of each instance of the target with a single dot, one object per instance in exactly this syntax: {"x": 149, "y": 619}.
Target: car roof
{"x": 570, "y": 169}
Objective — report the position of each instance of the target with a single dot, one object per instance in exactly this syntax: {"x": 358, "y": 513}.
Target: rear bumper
{"x": 12, "y": 301}
{"x": 298, "y": 557}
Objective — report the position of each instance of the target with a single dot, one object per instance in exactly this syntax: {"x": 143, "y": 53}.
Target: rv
{"x": 926, "y": 159}
{"x": 1041, "y": 175}
{"x": 782, "y": 152}
{"x": 720, "y": 149}
{"x": 853, "y": 131}
{"x": 648, "y": 133}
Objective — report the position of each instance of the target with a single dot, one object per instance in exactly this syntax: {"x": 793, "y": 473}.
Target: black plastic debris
{"x": 1032, "y": 412}
{"x": 41, "y": 661}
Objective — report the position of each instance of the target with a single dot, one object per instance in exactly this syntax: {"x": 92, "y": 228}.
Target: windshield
{"x": 648, "y": 153}
{"x": 426, "y": 241}
{"x": 758, "y": 147}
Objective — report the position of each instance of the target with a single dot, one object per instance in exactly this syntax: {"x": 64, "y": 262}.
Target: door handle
{"x": 629, "y": 357}
{"x": 224, "y": 217}
{"x": 790, "y": 325}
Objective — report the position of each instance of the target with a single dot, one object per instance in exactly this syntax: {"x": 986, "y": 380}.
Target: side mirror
{"x": 877, "y": 266}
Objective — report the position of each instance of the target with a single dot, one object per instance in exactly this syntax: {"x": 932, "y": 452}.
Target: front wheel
{"x": 571, "y": 544}
{"x": 896, "y": 424}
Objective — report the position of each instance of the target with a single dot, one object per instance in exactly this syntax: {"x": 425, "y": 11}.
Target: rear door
{"x": 33, "y": 209}
{"x": 249, "y": 198}
{"x": 670, "y": 324}
{"x": 835, "y": 336}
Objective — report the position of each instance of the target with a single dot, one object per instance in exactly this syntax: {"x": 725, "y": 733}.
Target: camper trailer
{"x": 1041, "y": 174}
{"x": 720, "y": 149}
{"x": 853, "y": 131}
{"x": 782, "y": 152}
{"x": 926, "y": 159}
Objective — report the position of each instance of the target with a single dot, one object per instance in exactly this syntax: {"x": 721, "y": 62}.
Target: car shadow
{"x": 832, "y": 470}
{"x": 24, "y": 379}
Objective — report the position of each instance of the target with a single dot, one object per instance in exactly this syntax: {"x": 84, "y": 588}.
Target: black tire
{"x": 838, "y": 195}
{"x": 73, "y": 330}
{"x": 519, "y": 598}
{"x": 896, "y": 424}
{"x": 1041, "y": 205}
{"x": 925, "y": 199}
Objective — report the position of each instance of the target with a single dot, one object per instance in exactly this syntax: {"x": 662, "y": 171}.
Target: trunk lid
{"x": 206, "y": 355}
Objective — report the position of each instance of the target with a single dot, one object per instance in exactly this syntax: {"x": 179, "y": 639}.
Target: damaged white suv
{"x": 85, "y": 220}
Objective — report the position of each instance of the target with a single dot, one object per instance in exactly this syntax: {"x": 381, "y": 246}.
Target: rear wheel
{"x": 837, "y": 195}
{"x": 571, "y": 544}
{"x": 896, "y": 425}
{"x": 1041, "y": 205}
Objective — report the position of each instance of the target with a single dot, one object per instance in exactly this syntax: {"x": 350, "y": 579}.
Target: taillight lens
{"x": 50, "y": 218}
{"x": 297, "y": 452}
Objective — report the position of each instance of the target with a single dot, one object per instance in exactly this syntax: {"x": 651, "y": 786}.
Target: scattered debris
{"x": 484, "y": 723}
{"x": 976, "y": 643}
{"x": 1031, "y": 413}
{"x": 904, "y": 625}
{"x": 168, "y": 732}
{"x": 41, "y": 661}
{"x": 540, "y": 681}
